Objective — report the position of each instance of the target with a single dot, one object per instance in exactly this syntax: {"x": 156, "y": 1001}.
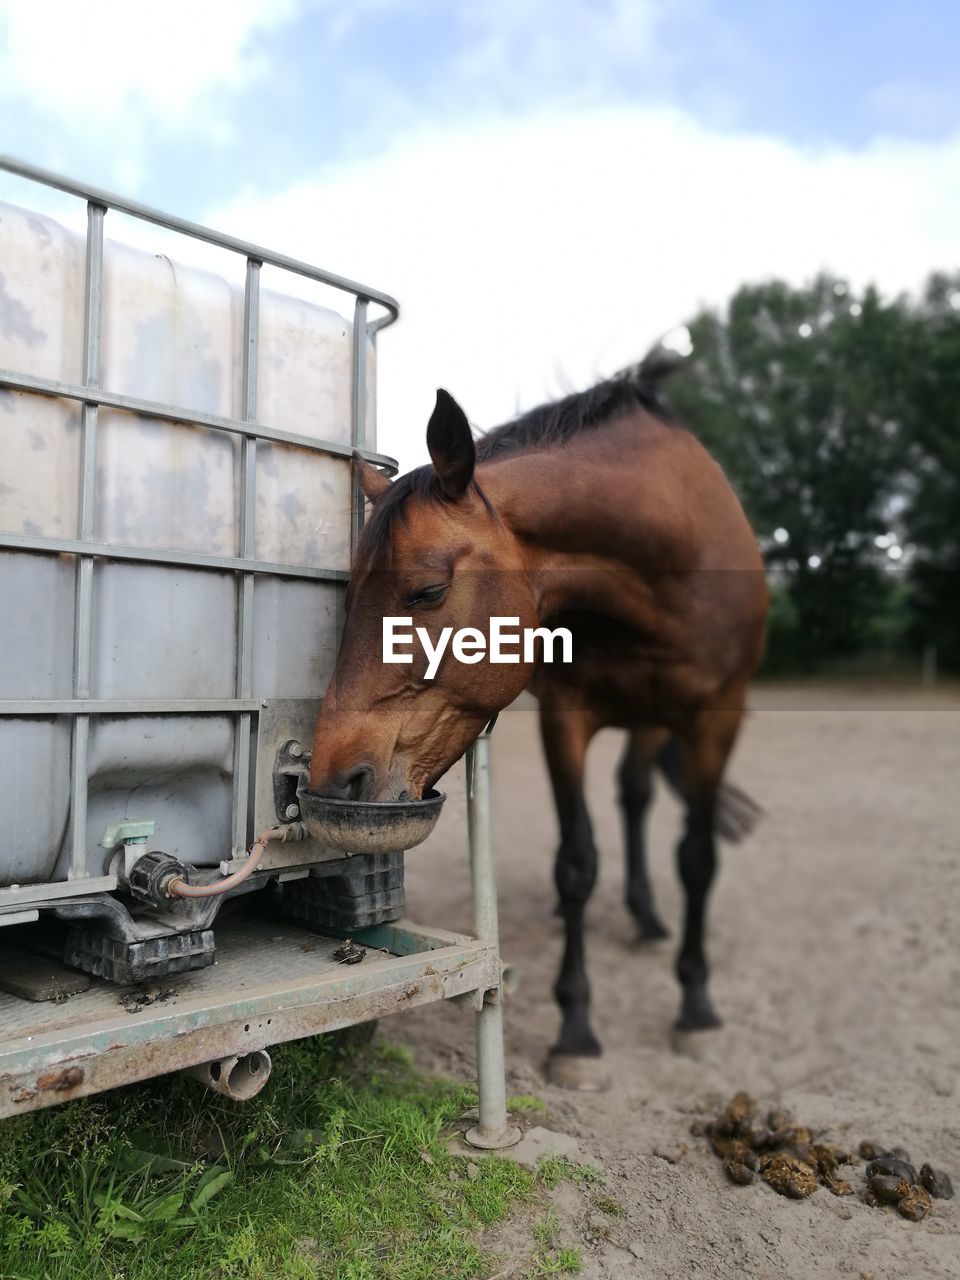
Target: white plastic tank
{"x": 160, "y": 631}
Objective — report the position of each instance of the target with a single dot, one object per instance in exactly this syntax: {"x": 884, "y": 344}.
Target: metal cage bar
{"x": 246, "y": 249}
{"x": 184, "y": 417}
{"x": 153, "y": 555}
{"x": 358, "y": 426}
{"x": 83, "y": 602}
{"x": 248, "y": 551}
{"x": 20, "y": 707}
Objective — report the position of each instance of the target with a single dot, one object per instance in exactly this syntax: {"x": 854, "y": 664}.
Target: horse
{"x": 602, "y": 513}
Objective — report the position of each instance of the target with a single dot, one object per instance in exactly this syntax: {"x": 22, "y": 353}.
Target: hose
{"x": 178, "y": 887}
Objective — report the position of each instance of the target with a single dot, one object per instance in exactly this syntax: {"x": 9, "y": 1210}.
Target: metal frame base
{"x": 508, "y": 1137}
{"x": 271, "y": 983}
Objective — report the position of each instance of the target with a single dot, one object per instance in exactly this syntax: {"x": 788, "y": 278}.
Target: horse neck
{"x": 589, "y": 523}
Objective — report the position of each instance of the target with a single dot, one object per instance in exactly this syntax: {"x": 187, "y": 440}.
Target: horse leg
{"x": 635, "y": 777}
{"x": 566, "y": 730}
{"x": 706, "y": 749}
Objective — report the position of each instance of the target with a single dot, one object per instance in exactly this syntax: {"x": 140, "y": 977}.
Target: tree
{"x": 932, "y": 517}
{"x": 803, "y": 397}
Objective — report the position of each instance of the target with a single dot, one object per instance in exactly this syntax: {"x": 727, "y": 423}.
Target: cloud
{"x": 121, "y": 70}
{"x": 531, "y": 257}
{"x": 535, "y": 47}
{"x": 916, "y": 107}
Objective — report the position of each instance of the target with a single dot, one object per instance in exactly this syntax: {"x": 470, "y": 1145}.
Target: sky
{"x": 546, "y": 185}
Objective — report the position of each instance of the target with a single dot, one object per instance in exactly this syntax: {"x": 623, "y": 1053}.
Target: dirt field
{"x": 834, "y": 946}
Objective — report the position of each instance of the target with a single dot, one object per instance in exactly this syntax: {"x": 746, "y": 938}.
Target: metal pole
{"x": 83, "y": 602}
{"x": 358, "y": 425}
{"x": 494, "y": 1130}
{"x": 248, "y": 550}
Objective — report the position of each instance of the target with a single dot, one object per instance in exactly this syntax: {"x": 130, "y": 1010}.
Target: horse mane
{"x": 636, "y": 387}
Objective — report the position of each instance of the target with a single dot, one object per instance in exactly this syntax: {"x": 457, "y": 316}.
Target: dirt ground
{"x": 833, "y": 941}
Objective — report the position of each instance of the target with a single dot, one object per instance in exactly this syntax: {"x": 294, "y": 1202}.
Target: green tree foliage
{"x": 932, "y": 517}
{"x": 812, "y": 401}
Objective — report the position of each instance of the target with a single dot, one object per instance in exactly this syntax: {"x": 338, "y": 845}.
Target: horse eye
{"x": 427, "y": 595}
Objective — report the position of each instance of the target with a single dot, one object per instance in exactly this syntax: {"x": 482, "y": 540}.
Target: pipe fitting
{"x": 240, "y": 1077}
{"x": 151, "y": 876}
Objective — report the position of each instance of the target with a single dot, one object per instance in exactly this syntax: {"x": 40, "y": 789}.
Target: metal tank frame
{"x": 51, "y": 1052}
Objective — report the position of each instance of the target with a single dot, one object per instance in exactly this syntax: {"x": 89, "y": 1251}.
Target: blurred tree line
{"x": 836, "y": 416}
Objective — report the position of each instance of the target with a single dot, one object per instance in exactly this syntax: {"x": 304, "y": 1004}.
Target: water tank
{"x": 170, "y": 589}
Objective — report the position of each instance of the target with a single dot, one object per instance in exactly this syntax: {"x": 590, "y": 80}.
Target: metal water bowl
{"x": 366, "y": 826}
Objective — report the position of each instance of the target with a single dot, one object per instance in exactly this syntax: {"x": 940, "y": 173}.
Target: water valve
{"x": 132, "y": 833}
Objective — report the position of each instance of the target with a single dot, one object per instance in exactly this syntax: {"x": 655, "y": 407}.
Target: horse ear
{"x": 372, "y": 482}
{"x": 451, "y": 446}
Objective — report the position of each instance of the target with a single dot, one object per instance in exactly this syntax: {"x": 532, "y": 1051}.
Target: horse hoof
{"x": 577, "y": 1072}
{"x": 702, "y": 1020}
{"x": 652, "y": 931}
{"x": 696, "y": 1009}
{"x": 692, "y": 1043}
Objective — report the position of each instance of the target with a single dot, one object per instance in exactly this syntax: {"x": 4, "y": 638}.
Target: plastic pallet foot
{"x": 348, "y": 894}
{"x": 127, "y": 962}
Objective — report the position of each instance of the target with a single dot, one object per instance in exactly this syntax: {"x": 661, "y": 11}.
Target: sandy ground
{"x": 835, "y": 966}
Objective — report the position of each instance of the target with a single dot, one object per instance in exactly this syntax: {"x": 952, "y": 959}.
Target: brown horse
{"x": 603, "y": 515}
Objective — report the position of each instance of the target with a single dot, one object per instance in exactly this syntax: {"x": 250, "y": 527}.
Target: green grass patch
{"x": 545, "y": 1230}
{"x": 526, "y": 1102}
{"x": 612, "y": 1208}
{"x": 336, "y": 1170}
{"x": 559, "y": 1262}
{"x": 552, "y": 1170}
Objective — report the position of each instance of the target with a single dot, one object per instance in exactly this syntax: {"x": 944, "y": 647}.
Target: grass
{"x": 562, "y": 1262}
{"x": 545, "y": 1231}
{"x": 338, "y": 1169}
{"x": 552, "y": 1170}
{"x": 526, "y": 1102}
{"x": 549, "y": 1260}
{"x": 606, "y": 1204}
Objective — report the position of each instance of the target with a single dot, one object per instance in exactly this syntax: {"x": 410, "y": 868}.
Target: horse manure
{"x": 803, "y": 1152}
{"x": 789, "y": 1158}
{"x": 836, "y": 1185}
{"x": 936, "y": 1182}
{"x": 798, "y": 1136}
{"x": 915, "y": 1205}
{"x": 829, "y": 1158}
{"x": 349, "y": 953}
{"x": 887, "y": 1187}
{"x": 788, "y": 1175}
{"x": 779, "y": 1120}
{"x": 872, "y": 1150}
{"x": 734, "y": 1120}
{"x": 738, "y": 1172}
{"x": 760, "y": 1138}
{"x": 741, "y": 1109}
{"x": 893, "y": 1165}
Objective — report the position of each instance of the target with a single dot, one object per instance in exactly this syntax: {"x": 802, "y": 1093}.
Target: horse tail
{"x": 737, "y": 813}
